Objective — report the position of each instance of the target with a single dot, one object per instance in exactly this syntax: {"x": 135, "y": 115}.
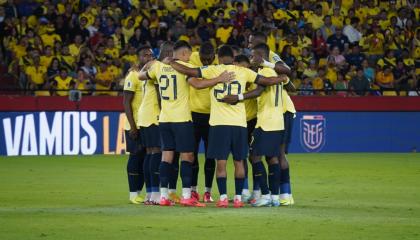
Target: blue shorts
{"x": 228, "y": 139}
{"x": 150, "y": 136}
{"x": 132, "y": 146}
{"x": 177, "y": 136}
{"x": 288, "y": 127}
{"x": 267, "y": 143}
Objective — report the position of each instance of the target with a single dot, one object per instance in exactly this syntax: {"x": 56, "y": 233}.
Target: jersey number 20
{"x": 232, "y": 88}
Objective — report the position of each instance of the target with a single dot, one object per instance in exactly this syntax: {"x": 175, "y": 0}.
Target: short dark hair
{"x": 242, "y": 58}
{"x": 206, "y": 48}
{"x": 260, "y": 35}
{"x": 225, "y": 51}
{"x": 181, "y": 44}
{"x": 143, "y": 47}
{"x": 263, "y": 47}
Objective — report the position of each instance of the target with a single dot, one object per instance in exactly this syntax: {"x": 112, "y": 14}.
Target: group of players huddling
{"x": 233, "y": 103}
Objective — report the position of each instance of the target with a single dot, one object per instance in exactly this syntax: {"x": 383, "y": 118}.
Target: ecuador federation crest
{"x": 313, "y": 132}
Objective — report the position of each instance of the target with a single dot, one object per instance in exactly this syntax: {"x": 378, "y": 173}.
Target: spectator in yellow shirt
{"x": 103, "y": 79}
{"x": 385, "y": 78}
{"x": 61, "y": 83}
{"x": 48, "y": 56}
{"x": 223, "y": 32}
{"x": 36, "y": 74}
{"x": 110, "y": 49}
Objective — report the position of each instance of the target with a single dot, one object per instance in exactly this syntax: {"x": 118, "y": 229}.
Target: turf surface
{"x": 338, "y": 196}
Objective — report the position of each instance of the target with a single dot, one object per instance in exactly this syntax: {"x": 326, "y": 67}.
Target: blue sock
{"x": 146, "y": 170}
{"x": 221, "y": 184}
{"x": 186, "y": 174}
{"x": 285, "y": 181}
{"x": 239, "y": 186}
{"x": 195, "y": 169}
{"x": 209, "y": 169}
{"x": 133, "y": 173}
{"x": 274, "y": 178}
{"x": 260, "y": 177}
{"x": 164, "y": 172}
{"x": 256, "y": 184}
{"x": 155, "y": 160}
{"x": 173, "y": 179}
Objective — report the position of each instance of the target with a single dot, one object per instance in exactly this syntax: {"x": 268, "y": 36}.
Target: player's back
{"x": 270, "y": 104}
{"x": 223, "y": 113}
{"x": 174, "y": 92}
{"x": 149, "y": 110}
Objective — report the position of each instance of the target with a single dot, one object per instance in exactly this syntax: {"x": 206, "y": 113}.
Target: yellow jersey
{"x": 103, "y": 76}
{"x": 223, "y": 33}
{"x": 63, "y": 84}
{"x": 288, "y": 105}
{"x": 200, "y": 98}
{"x": 149, "y": 109}
{"x": 74, "y": 49}
{"x": 251, "y": 104}
{"x": 133, "y": 84}
{"x": 174, "y": 92}
{"x": 36, "y": 74}
{"x": 270, "y": 106}
{"x": 222, "y": 113}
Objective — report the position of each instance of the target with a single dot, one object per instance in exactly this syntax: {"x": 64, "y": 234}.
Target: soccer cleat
{"x": 238, "y": 203}
{"x": 173, "y": 197}
{"x": 195, "y": 195}
{"x": 262, "y": 202}
{"x": 287, "y": 201}
{"x": 222, "y": 203}
{"x": 133, "y": 201}
{"x": 275, "y": 203}
{"x": 165, "y": 202}
{"x": 191, "y": 202}
{"x": 207, "y": 197}
{"x": 246, "y": 197}
{"x": 139, "y": 199}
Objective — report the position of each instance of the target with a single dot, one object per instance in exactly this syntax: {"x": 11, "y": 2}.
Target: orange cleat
{"x": 165, "y": 202}
{"x": 237, "y": 203}
{"x": 222, "y": 203}
{"x": 191, "y": 202}
{"x": 207, "y": 197}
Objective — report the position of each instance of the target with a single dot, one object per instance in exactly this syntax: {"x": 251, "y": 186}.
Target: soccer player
{"x": 148, "y": 116}
{"x": 280, "y": 67}
{"x": 269, "y": 131}
{"x": 175, "y": 126}
{"x": 200, "y": 111}
{"x": 228, "y": 133}
{"x": 132, "y": 101}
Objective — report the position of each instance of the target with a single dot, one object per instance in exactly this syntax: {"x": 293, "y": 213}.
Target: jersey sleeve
{"x": 251, "y": 76}
{"x": 129, "y": 82}
{"x": 208, "y": 72}
{"x": 152, "y": 72}
{"x": 275, "y": 58}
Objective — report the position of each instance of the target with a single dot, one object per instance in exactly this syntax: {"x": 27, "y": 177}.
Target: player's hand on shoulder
{"x": 147, "y": 66}
{"x": 226, "y": 77}
{"x": 231, "y": 99}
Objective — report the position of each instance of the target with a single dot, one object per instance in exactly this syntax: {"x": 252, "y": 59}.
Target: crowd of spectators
{"x": 367, "y": 46}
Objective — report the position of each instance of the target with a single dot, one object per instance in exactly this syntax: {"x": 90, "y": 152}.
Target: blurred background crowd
{"x": 368, "y": 46}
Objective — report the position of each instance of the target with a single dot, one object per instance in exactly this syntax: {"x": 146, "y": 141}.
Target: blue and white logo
{"x": 313, "y": 132}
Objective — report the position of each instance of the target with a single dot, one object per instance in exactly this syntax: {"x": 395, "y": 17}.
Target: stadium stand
{"x": 367, "y": 46}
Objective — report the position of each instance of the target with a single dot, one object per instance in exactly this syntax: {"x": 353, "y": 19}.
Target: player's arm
{"x": 234, "y": 99}
{"x": 290, "y": 87}
{"x": 192, "y": 72}
{"x": 201, "y": 84}
{"x": 280, "y": 67}
{"x": 128, "y": 98}
{"x": 269, "y": 81}
{"x": 143, "y": 74}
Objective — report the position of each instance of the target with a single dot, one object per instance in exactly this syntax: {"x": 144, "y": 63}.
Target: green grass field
{"x": 338, "y": 196}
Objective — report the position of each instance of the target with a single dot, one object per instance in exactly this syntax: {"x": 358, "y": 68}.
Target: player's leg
{"x": 246, "y": 195}
{"x": 184, "y": 137}
{"x": 239, "y": 150}
{"x": 285, "y": 186}
{"x": 150, "y": 136}
{"x": 274, "y": 179}
{"x": 168, "y": 146}
{"x": 195, "y": 166}
{"x": 209, "y": 168}
{"x": 135, "y": 183}
{"x": 173, "y": 179}
{"x": 219, "y": 148}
